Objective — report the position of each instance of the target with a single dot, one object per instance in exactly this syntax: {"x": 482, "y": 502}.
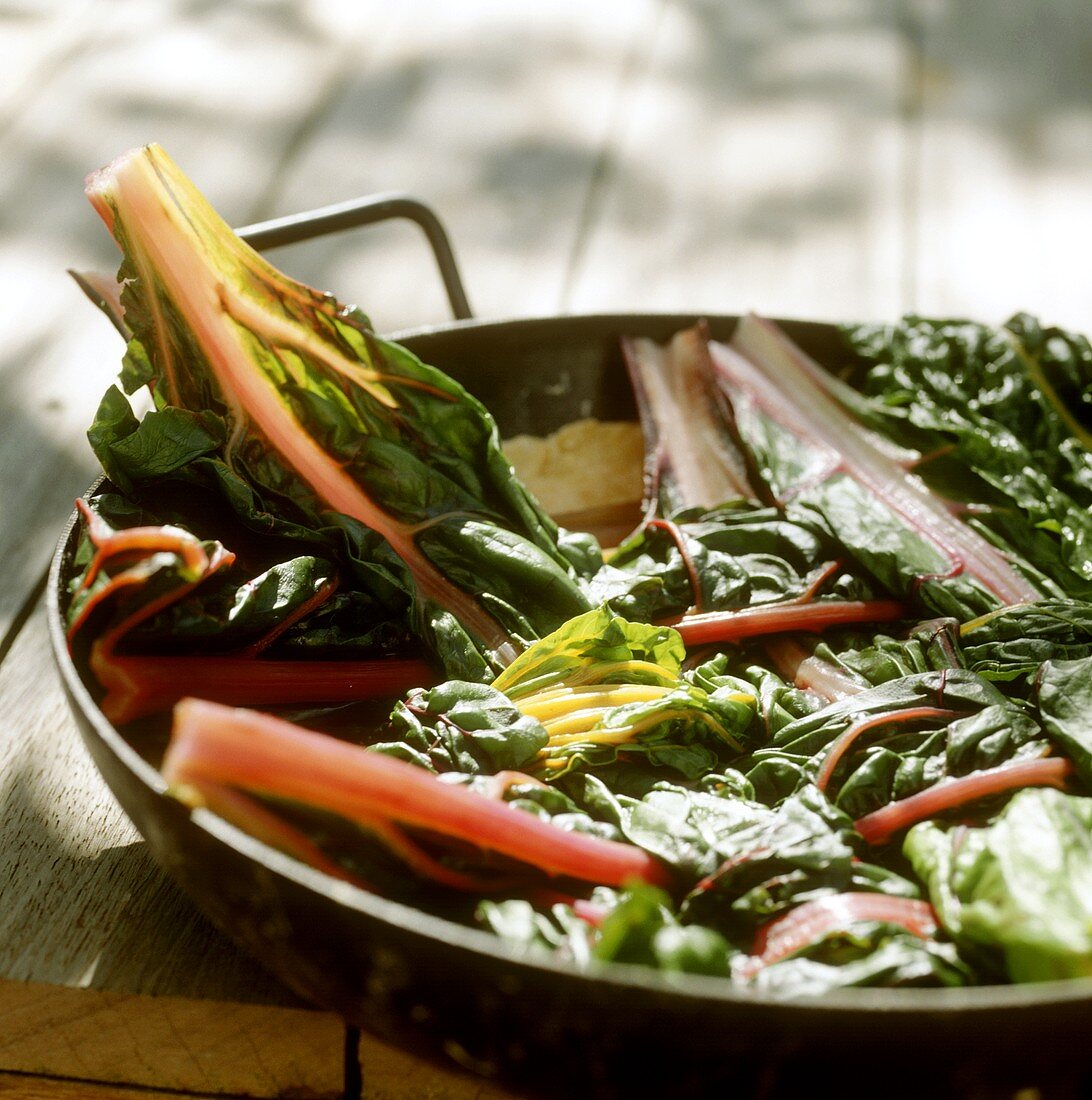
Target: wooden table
{"x": 838, "y": 160}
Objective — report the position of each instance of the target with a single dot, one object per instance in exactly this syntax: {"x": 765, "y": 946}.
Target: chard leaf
{"x": 164, "y": 441}
{"x": 1010, "y": 645}
{"x": 560, "y": 933}
{"x": 770, "y": 860}
{"x": 596, "y": 647}
{"x": 642, "y": 928}
{"x": 684, "y": 730}
{"x": 743, "y": 557}
{"x": 1065, "y": 706}
{"x": 1005, "y": 410}
{"x": 311, "y": 409}
{"x": 237, "y": 611}
{"x": 877, "y": 659}
{"x": 786, "y": 409}
{"x": 606, "y": 689}
{"x": 873, "y": 954}
{"x": 919, "y": 729}
{"x": 1019, "y": 890}
{"x": 464, "y": 727}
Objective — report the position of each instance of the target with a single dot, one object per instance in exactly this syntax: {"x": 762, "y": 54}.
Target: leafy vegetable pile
{"x": 823, "y": 719}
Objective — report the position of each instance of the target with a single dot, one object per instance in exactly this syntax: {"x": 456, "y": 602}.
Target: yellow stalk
{"x": 556, "y": 704}
{"x": 577, "y": 723}
{"x": 283, "y": 333}
{"x": 561, "y": 735}
{"x": 982, "y": 620}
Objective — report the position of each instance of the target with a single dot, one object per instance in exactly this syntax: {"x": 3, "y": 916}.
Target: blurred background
{"x": 827, "y": 158}
{"x": 831, "y": 159}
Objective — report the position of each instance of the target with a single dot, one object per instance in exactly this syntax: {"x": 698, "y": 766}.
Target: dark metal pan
{"x": 446, "y": 990}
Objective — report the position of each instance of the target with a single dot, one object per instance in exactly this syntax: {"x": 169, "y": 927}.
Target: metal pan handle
{"x": 366, "y": 211}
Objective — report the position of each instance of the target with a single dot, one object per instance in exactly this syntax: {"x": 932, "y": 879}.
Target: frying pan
{"x": 539, "y": 1024}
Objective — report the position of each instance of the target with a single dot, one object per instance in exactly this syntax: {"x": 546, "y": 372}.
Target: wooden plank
{"x": 758, "y": 164}
{"x": 170, "y": 1042}
{"x": 388, "y": 1073}
{"x": 497, "y": 115}
{"x": 1006, "y": 161}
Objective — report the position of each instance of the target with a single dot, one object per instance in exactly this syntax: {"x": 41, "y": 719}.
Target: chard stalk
{"x": 881, "y": 825}
{"x": 752, "y": 622}
{"x": 813, "y": 921}
{"x": 811, "y": 673}
{"x": 790, "y": 388}
{"x": 267, "y": 756}
{"x": 687, "y": 424}
{"x": 845, "y": 741}
{"x": 555, "y": 703}
{"x": 262, "y": 823}
{"x": 599, "y": 673}
{"x": 137, "y": 685}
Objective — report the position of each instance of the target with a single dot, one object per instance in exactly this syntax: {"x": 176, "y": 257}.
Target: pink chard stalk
{"x": 219, "y": 747}
{"x": 763, "y": 366}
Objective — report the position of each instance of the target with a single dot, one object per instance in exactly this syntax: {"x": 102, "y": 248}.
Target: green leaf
{"x": 1006, "y": 410}
{"x": 1018, "y": 890}
{"x": 875, "y": 954}
{"x": 324, "y": 422}
{"x": 642, "y": 928}
{"x": 598, "y": 647}
{"x": 1065, "y": 706}
{"x": 464, "y": 727}
{"x": 1011, "y": 644}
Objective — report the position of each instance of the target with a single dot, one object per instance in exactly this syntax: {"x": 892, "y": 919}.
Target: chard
{"x": 596, "y": 690}
{"x": 786, "y": 386}
{"x": 1015, "y": 894}
{"x": 317, "y": 409}
{"x": 811, "y": 673}
{"x": 137, "y": 573}
{"x": 865, "y": 725}
{"x": 753, "y": 622}
{"x": 267, "y": 757}
{"x": 881, "y": 825}
{"x": 691, "y": 458}
{"x": 813, "y": 921}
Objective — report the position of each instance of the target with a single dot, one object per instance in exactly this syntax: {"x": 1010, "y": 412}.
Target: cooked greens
{"x": 820, "y": 721}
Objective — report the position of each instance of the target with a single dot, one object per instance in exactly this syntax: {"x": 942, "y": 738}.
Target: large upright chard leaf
{"x": 312, "y": 408}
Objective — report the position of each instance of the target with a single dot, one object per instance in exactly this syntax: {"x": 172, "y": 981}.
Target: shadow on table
{"x": 111, "y": 918}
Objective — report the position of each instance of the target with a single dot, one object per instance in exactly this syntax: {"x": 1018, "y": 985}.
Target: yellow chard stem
{"x": 548, "y": 706}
